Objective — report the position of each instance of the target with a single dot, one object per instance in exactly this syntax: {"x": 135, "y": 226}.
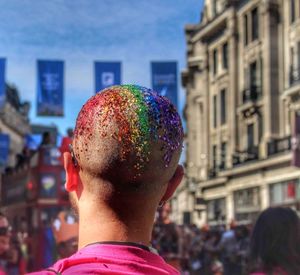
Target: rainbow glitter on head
{"x": 142, "y": 116}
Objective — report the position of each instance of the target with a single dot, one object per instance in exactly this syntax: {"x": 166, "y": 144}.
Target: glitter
{"x": 142, "y": 116}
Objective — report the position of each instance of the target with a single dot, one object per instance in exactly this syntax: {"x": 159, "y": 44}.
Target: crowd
{"x": 13, "y": 253}
{"x": 272, "y": 245}
{"x": 193, "y": 250}
{"x": 116, "y": 210}
{"x": 204, "y": 250}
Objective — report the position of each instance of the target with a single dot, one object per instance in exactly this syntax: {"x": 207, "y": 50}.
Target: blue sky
{"x": 80, "y": 32}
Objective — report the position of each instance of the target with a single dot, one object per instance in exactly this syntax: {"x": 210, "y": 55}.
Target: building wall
{"x": 262, "y": 99}
{"x": 16, "y": 125}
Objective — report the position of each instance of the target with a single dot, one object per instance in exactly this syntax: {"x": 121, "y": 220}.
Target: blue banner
{"x": 4, "y": 149}
{"x": 107, "y": 74}
{"x": 164, "y": 79}
{"x": 50, "y": 88}
{"x": 2, "y": 82}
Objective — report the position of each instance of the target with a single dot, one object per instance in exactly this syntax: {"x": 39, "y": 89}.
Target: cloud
{"x": 80, "y": 32}
{"x": 83, "y": 24}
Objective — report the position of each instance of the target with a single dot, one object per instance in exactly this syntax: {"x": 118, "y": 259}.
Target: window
{"x": 260, "y": 128}
{"x": 292, "y": 11}
{"x": 293, "y": 69}
{"x": 225, "y": 56}
{"x": 215, "y": 111}
{"x": 250, "y": 137}
{"x": 186, "y": 217}
{"x": 292, "y": 58}
{"x": 223, "y": 154}
{"x": 210, "y": 210}
{"x": 246, "y": 198}
{"x": 253, "y": 81}
{"x": 214, "y": 156}
{"x": 254, "y": 15}
{"x": 246, "y": 29}
{"x": 260, "y": 76}
{"x": 284, "y": 192}
{"x": 223, "y": 106}
{"x": 215, "y": 61}
{"x": 216, "y": 210}
{"x": 298, "y": 56}
{"x": 246, "y": 76}
{"x": 296, "y": 122}
{"x": 253, "y": 75}
{"x": 214, "y": 10}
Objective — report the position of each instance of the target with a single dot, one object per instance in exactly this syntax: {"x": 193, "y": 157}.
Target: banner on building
{"x": 296, "y": 141}
{"x": 164, "y": 79}
{"x": 2, "y": 82}
{"x": 107, "y": 74}
{"x": 4, "y": 149}
{"x": 50, "y": 88}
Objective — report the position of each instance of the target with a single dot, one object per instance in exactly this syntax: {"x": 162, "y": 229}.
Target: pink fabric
{"x": 277, "y": 271}
{"x": 111, "y": 259}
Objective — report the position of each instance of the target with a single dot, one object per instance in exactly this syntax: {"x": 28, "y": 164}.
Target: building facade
{"x": 14, "y": 121}
{"x": 242, "y": 86}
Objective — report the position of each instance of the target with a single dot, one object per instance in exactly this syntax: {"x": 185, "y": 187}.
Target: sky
{"x": 80, "y": 32}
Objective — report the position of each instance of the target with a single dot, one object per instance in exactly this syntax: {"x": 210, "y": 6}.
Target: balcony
{"x": 251, "y": 94}
{"x": 215, "y": 10}
{"x": 222, "y": 165}
{"x": 212, "y": 173}
{"x": 242, "y": 157}
{"x": 281, "y": 145}
{"x": 294, "y": 76}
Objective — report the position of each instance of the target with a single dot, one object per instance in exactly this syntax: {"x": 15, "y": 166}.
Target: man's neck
{"x": 102, "y": 224}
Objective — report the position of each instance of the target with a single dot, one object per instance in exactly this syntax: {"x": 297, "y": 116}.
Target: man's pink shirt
{"x": 111, "y": 259}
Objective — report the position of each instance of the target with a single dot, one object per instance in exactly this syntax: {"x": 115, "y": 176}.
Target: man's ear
{"x": 72, "y": 173}
{"x": 173, "y": 183}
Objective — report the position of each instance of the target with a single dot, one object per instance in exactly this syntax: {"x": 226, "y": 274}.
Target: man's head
{"x": 46, "y": 138}
{"x": 127, "y": 143}
{"x": 70, "y": 132}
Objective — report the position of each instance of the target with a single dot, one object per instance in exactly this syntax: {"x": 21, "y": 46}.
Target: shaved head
{"x": 128, "y": 136}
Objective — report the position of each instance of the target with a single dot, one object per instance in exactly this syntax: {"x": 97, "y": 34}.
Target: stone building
{"x": 14, "y": 122}
{"x": 242, "y": 86}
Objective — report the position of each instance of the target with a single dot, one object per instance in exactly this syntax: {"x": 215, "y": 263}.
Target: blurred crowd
{"x": 204, "y": 251}
{"x": 16, "y": 256}
{"x": 192, "y": 250}
{"x": 274, "y": 245}
{"x": 13, "y": 249}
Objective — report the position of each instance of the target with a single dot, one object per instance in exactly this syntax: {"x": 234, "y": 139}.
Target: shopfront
{"x": 216, "y": 212}
{"x": 247, "y": 205}
{"x": 285, "y": 193}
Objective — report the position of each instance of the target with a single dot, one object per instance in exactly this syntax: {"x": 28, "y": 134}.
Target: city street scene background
{"x": 232, "y": 69}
